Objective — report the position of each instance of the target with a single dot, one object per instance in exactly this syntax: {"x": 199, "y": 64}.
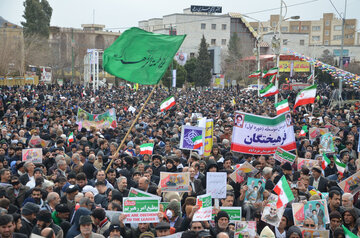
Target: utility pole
{"x": 341, "y": 52}
{"x": 258, "y": 57}
{"x": 278, "y": 55}
{"x": 72, "y": 56}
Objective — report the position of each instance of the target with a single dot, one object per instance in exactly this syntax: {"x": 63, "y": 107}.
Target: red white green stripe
{"x": 167, "y": 103}
{"x": 255, "y": 74}
{"x": 310, "y": 78}
{"x": 270, "y": 72}
{"x": 325, "y": 162}
{"x": 197, "y": 142}
{"x": 306, "y": 96}
{"x": 282, "y": 107}
{"x": 273, "y": 78}
{"x": 146, "y": 149}
{"x": 303, "y": 131}
{"x": 348, "y": 233}
{"x": 270, "y": 90}
{"x": 283, "y": 190}
{"x": 71, "y": 137}
{"x": 339, "y": 165}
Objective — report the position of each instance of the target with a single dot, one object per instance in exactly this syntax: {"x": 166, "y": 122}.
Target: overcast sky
{"x": 122, "y": 14}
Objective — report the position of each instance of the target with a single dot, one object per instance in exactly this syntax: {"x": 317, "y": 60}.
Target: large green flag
{"x": 141, "y": 57}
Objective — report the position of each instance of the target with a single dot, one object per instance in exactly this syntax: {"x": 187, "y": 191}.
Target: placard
{"x": 141, "y": 210}
{"x": 351, "y": 184}
{"x": 242, "y": 172}
{"x": 233, "y": 212}
{"x": 245, "y": 228}
{"x": 205, "y": 208}
{"x": 315, "y": 132}
{"x": 283, "y": 156}
{"x": 134, "y": 192}
{"x": 32, "y": 155}
{"x": 307, "y": 163}
{"x": 188, "y": 133}
{"x": 216, "y": 184}
{"x": 316, "y": 211}
{"x": 312, "y": 233}
{"x": 271, "y": 214}
{"x": 174, "y": 182}
{"x": 255, "y": 190}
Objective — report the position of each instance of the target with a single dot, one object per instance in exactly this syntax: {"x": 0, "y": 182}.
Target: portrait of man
{"x": 239, "y": 120}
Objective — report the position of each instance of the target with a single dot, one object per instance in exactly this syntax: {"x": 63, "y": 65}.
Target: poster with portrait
{"x": 312, "y": 233}
{"x": 315, "y": 132}
{"x": 181, "y": 58}
{"x": 245, "y": 228}
{"x": 271, "y": 214}
{"x": 327, "y": 143}
{"x": 307, "y": 163}
{"x": 255, "y": 190}
{"x": 188, "y": 133}
{"x": 174, "y": 182}
{"x": 32, "y": 155}
{"x": 351, "y": 184}
{"x": 242, "y": 172}
{"x": 314, "y": 212}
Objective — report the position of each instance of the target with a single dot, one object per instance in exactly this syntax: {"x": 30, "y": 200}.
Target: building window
{"x": 203, "y": 26}
{"x": 223, "y": 41}
{"x": 337, "y": 28}
{"x": 213, "y": 41}
{"x": 265, "y": 29}
{"x": 273, "y": 24}
{"x": 285, "y": 41}
{"x": 284, "y": 29}
{"x": 337, "y": 37}
{"x": 302, "y": 42}
{"x": 295, "y": 28}
{"x": 315, "y": 38}
{"x": 326, "y": 42}
{"x": 192, "y": 54}
{"x": 213, "y": 26}
{"x": 349, "y": 36}
{"x": 326, "y": 32}
{"x": 316, "y": 28}
{"x": 327, "y": 23}
{"x": 223, "y": 26}
{"x": 304, "y": 28}
{"x": 349, "y": 26}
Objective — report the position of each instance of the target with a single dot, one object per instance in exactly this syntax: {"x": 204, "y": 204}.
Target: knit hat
{"x": 175, "y": 206}
{"x": 30, "y": 208}
{"x": 130, "y": 143}
{"x": 220, "y": 215}
{"x": 293, "y": 229}
{"x": 267, "y": 232}
{"x": 147, "y": 234}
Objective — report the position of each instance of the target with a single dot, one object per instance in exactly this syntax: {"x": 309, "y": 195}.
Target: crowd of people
{"x": 70, "y": 193}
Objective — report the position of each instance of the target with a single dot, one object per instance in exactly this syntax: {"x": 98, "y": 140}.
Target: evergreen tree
{"x": 232, "y": 62}
{"x": 190, "y": 67}
{"x": 202, "y": 73}
{"x": 234, "y": 48}
{"x": 37, "y": 17}
{"x": 180, "y": 75}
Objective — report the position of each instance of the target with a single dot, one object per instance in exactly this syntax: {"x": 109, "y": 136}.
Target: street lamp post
{"x": 278, "y": 52}
{"x": 341, "y": 54}
{"x": 258, "y": 57}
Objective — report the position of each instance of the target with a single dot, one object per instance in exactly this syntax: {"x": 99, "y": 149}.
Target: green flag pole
{"x": 132, "y": 125}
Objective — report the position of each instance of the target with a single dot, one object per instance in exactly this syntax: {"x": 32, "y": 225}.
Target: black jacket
{"x": 322, "y": 184}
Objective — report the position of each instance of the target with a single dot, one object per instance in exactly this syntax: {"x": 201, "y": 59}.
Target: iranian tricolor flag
{"x": 282, "y": 107}
{"x": 167, "y": 103}
{"x": 197, "y": 142}
{"x": 283, "y": 190}
{"x": 348, "y": 233}
{"x": 310, "y": 78}
{"x": 339, "y": 165}
{"x": 71, "y": 137}
{"x": 303, "y": 131}
{"x": 273, "y": 78}
{"x": 325, "y": 162}
{"x": 146, "y": 149}
{"x": 270, "y": 90}
{"x": 306, "y": 96}
{"x": 255, "y": 74}
{"x": 270, "y": 72}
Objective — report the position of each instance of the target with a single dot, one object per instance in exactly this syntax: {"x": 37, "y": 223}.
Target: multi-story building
{"x": 326, "y": 31}
{"x": 216, "y": 28}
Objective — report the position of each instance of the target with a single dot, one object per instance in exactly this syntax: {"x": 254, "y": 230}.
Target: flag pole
{"x": 132, "y": 125}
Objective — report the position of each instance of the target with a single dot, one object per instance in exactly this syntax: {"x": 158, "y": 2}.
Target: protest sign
{"x": 174, "y": 182}
{"x": 188, "y": 133}
{"x": 99, "y": 121}
{"x": 307, "y": 163}
{"x": 255, "y": 190}
{"x": 141, "y": 210}
{"x": 36, "y": 141}
{"x": 327, "y": 144}
{"x": 233, "y": 212}
{"x": 271, "y": 214}
{"x": 260, "y": 135}
{"x": 316, "y": 211}
{"x": 216, "y": 184}
{"x": 351, "y": 184}
{"x": 312, "y": 233}
{"x": 315, "y": 132}
{"x": 242, "y": 172}
{"x": 205, "y": 208}
{"x": 32, "y": 155}
{"x": 245, "y": 228}
{"x": 284, "y": 156}
{"x": 209, "y": 131}
{"x": 134, "y": 192}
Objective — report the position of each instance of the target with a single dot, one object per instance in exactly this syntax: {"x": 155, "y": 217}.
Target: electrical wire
{"x": 185, "y": 22}
{"x": 336, "y": 9}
